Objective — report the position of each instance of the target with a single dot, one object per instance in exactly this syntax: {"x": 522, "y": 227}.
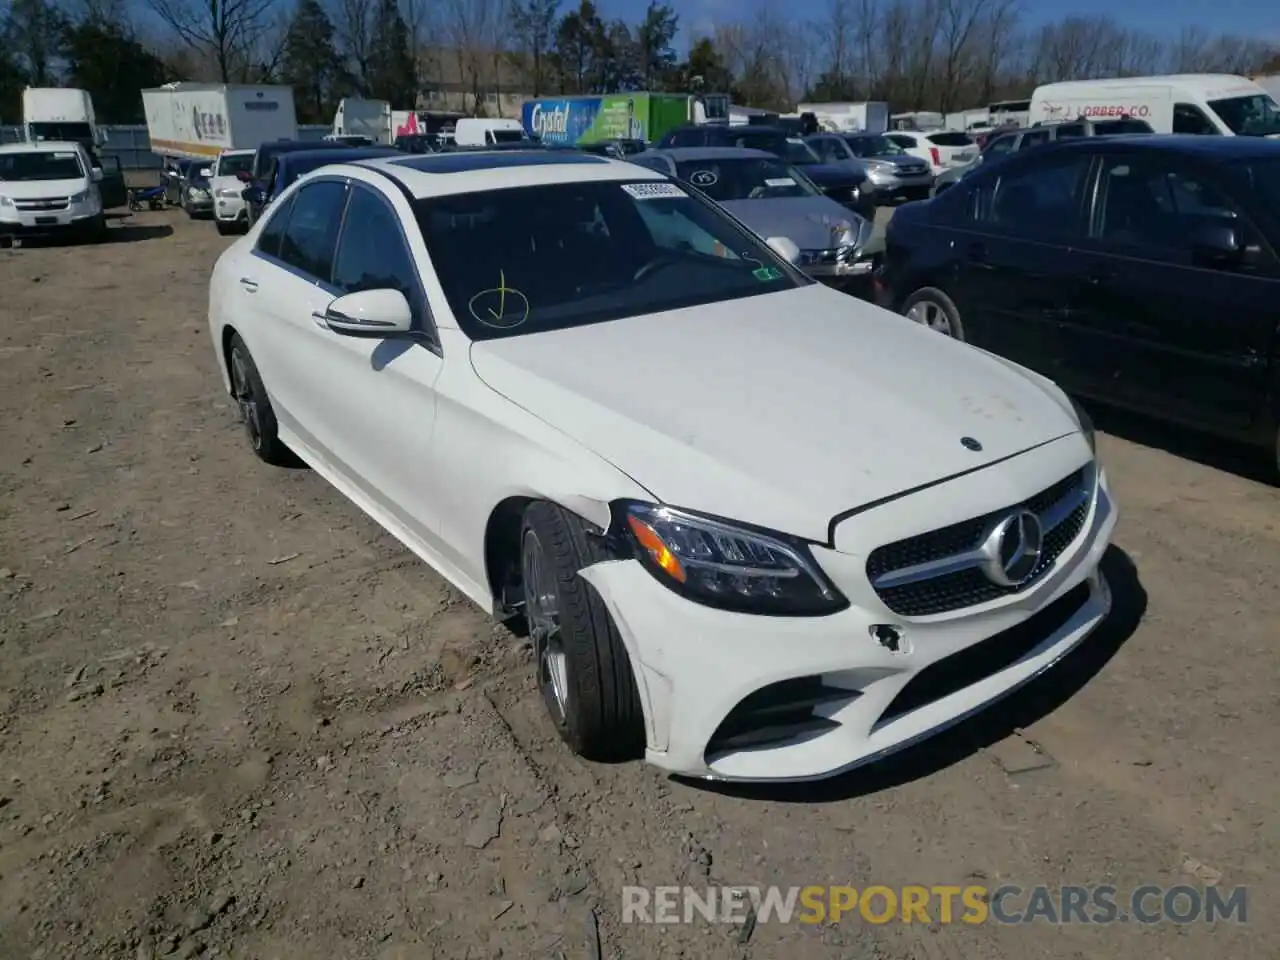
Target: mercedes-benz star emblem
{"x": 1012, "y": 549}
{"x": 970, "y": 444}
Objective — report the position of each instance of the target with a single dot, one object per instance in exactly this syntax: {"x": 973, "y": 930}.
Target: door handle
{"x": 976, "y": 251}
{"x": 1100, "y": 276}
{"x": 249, "y": 285}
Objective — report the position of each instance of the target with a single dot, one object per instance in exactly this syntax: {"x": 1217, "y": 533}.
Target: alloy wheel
{"x": 542, "y": 612}
{"x": 241, "y": 387}
{"x": 931, "y": 315}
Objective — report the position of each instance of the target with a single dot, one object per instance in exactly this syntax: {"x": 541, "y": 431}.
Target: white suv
{"x": 229, "y": 211}
{"x": 757, "y": 529}
{"x": 49, "y": 188}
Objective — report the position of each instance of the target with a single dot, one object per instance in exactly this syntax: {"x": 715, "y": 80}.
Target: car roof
{"x": 443, "y": 174}
{"x": 41, "y": 146}
{"x": 683, "y": 154}
{"x": 290, "y": 146}
{"x": 1219, "y": 149}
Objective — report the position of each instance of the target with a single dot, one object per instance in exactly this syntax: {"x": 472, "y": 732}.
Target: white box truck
{"x": 200, "y": 120}
{"x": 864, "y": 117}
{"x": 357, "y": 117}
{"x": 1205, "y": 103}
{"x": 57, "y": 113}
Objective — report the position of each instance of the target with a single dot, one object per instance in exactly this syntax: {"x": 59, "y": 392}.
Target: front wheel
{"x": 226, "y": 228}
{"x": 583, "y": 669}
{"x": 932, "y": 308}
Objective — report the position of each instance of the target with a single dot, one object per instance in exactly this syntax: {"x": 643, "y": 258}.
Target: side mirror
{"x": 369, "y": 313}
{"x": 95, "y": 174}
{"x": 1218, "y": 244}
{"x": 243, "y": 176}
{"x": 785, "y": 248}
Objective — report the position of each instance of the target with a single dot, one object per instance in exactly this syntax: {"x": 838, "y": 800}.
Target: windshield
{"x": 800, "y": 153}
{"x": 744, "y": 179}
{"x": 1255, "y": 116}
{"x": 873, "y": 147}
{"x": 231, "y": 164}
{"x": 61, "y": 131}
{"x": 530, "y": 259}
{"x": 506, "y": 136}
{"x": 59, "y": 165}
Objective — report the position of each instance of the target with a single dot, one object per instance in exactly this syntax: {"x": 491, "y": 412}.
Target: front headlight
{"x": 5, "y": 201}
{"x": 727, "y": 566}
{"x": 230, "y": 192}
{"x": 1086, "y": 425}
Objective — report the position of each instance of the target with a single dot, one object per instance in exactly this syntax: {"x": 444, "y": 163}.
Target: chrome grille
{"x": 42, "y": 204}
{"x": 916, "y": 578}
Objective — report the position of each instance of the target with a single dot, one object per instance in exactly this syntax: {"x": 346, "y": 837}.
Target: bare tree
{"x": 473, "y": 28}
{"x": 353, "y": 22}
{"x": 221, "y": 30}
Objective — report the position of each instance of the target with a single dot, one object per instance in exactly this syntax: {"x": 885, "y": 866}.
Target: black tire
{"x": 601, "y": 718}
{"x": 932, "y": 308}
{"x": 255, "y": 407}
{"x": 98, "y": 229}
{"x": 226, "y": 229}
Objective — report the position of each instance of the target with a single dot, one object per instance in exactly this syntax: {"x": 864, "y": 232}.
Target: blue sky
{"x": 1254, "y": 18}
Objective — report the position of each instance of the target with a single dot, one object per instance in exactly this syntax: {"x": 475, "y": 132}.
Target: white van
{"x": 1203, "y": 103}
{"x": 484, "y": 132}
{"x": 49, "y": 187}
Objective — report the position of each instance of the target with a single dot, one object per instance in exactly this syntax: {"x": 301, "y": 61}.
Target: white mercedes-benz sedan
{"x": 757, "y": 529}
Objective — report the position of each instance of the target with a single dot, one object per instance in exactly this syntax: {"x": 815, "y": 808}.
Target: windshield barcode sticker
{"x": 654, "y": 190}
{"x": 780, "y": 182}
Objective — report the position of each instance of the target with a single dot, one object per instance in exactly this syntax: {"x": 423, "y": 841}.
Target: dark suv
{"x": 1141, "y": 271}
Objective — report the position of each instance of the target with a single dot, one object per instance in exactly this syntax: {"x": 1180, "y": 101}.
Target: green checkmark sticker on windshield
{"x": 765, "y": 274}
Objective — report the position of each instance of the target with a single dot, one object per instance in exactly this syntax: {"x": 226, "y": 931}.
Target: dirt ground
{"x": 238, "y": 720}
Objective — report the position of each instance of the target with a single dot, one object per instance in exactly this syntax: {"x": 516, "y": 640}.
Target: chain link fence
{"x": 132, "y": 146}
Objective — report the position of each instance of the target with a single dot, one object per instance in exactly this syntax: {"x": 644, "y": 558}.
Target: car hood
{"x": 780, "y": 410}
{"x": 39, "y": 189}
{"x": 812, "y": 223}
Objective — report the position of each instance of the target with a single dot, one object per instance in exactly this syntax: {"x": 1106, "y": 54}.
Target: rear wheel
{"x": 932, "y": 308}
{"x": 583, "y": 669}
{"x": 255, "y": 407}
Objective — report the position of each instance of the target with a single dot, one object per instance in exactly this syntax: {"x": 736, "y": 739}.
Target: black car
{"x": 845, "y": 184}
{"x": 266, "y": 154}
{"x": 289, "y": 166}
{"x": 1140, "y": 271}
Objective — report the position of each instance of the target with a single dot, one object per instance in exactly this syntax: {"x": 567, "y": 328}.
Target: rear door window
{"x": 1070, "y": 131}
{"x": 1039, "y": 200}
{"x": 1033, "y": 138}
{"x": 312, "y": 234}
{"x": 951, "y": 138}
